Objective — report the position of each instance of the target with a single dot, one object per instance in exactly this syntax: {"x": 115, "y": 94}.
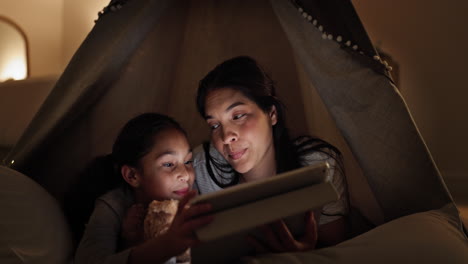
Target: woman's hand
{"x": 132, "y": 225}
{"x": 279, "y": 239}
{"x": 180, "y": 235}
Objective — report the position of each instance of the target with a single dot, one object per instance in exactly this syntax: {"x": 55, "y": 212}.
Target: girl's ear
{"x": 130, "y": 176}
{"x": 273, "y": 115}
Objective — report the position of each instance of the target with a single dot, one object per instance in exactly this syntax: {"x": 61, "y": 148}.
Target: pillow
{"x": 32, "y": 226}
{"x": 430, "y": 237}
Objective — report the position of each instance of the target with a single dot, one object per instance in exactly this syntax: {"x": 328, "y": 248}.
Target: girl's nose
{"x": 183, "y": 174}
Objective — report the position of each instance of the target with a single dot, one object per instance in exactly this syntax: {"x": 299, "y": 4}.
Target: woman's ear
{"x": 273, "y": 115}
{"x": 130, "y": 176}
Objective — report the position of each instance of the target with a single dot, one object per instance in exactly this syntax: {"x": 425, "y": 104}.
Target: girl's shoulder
{"x": 119, "y": 199}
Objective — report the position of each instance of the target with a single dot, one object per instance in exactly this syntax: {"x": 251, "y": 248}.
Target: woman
{"x": 249, "y": 141}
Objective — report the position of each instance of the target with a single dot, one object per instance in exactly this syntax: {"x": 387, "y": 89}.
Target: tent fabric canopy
{"x": 374, "y": 120}
{"x": 150, "y": 54}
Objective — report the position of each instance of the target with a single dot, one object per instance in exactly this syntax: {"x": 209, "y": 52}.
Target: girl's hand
{"x": 180, "y": 235}
{"x": 279, "y": 239}
{"x": 132, "y": 225}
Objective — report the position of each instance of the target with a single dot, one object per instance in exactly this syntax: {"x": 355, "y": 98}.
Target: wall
{"x": 428, "y": 39}
{"x": 78, "y": 20}
{"x": 42, "y": 23}
{"x": 55, "y": 29}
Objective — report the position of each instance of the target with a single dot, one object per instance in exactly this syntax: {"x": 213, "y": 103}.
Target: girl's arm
{"x": 99, "y": 242}
{"x": 178, "y": 238}
{"x": 132, "y": 226}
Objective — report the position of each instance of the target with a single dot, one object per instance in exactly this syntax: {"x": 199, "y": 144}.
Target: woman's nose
{"x": 229, "y": 135}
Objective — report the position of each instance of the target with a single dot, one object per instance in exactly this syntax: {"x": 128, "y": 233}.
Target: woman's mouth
{"x": 182, "y": 192}
{"x": 236, "y": 155}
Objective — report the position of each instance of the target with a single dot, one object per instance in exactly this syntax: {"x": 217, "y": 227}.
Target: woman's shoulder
{"x": 214, "y": 161}
{"x": 311, "y": 150}
{"x": 199, "y": 157}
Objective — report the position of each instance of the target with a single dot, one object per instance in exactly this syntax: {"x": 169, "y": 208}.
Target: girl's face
{"x": 240, "y": 130}
{"x": 166, "y": 171}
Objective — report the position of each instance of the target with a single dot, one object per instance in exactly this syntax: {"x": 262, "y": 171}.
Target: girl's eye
{"x": 168, "y": 164}
{"x": 238, "y": 116}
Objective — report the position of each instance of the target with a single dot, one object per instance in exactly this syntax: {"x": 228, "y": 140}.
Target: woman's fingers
{"x": 310, "y": 235}
{"x": 286, "y": 238}
{"x": 257, "y": 245}
{"x": 280, "y": 239}
{"x": 270, "y": 239}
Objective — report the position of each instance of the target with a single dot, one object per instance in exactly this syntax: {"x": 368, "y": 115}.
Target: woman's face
{"x": 166, "y": 171}
{"x": 240, "y": 130}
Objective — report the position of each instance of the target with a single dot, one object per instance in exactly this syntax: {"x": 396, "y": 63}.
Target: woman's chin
{"x": 241, "y": 168}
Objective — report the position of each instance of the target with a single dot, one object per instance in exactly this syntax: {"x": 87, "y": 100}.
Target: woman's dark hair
{"x": 245, "y": 75}
{"x": 134, "y": 141}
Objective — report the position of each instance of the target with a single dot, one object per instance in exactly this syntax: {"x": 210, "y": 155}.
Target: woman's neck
{"x": 265, "y": 169}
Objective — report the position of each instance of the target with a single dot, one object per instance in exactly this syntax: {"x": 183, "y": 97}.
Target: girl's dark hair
{"x": 133, "y": 142}
{"x": 247, "y": 76}
{"x": 136, "y": 138}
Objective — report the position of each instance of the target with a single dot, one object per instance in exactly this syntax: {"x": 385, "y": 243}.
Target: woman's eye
{"x": 214, "y": 126}
{"x": 189, "y": 162}
{"x": 238, "y": 116}
{"x": 168, "y": 164}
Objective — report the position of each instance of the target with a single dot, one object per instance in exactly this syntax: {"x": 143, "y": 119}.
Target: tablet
{"x": 253, "y": 191}
{"x": 240, "y": 209}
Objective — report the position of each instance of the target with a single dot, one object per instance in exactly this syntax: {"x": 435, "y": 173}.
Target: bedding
{"x": 429, "y": 237}
{"x": 32, "y": 226}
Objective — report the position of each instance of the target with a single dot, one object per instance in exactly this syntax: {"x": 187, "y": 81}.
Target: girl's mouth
{"x": 182, "y": 192}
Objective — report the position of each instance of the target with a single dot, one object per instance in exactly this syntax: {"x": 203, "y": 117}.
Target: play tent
{"x": 148, "y": 55}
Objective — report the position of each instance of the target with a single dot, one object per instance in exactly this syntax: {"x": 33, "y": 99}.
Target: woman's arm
{"x": 278, "y": 238}
{"x": 331, "y": 233}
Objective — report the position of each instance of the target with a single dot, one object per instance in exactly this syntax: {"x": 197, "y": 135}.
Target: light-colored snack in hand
{"x": 159, "y": 217}
{"x": 158, "y": 220}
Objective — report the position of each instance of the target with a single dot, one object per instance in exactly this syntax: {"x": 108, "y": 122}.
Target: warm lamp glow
{"x": 13, "y": 52}
{"x": 15, "y": 69}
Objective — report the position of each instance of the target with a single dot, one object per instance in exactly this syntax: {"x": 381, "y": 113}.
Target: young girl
{"x": 250, "y": 142}
{"x": 152, "y": 156}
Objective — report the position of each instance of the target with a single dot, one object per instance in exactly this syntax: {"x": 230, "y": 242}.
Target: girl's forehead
{"x": 170, "y": 138}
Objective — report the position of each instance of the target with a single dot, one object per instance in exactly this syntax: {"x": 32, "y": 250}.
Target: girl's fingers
{"x": 196, "y": 210}
{"x": 192, "y": 225}
{"x": 183, "y": 202}
{"x": 183, "y": 206}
